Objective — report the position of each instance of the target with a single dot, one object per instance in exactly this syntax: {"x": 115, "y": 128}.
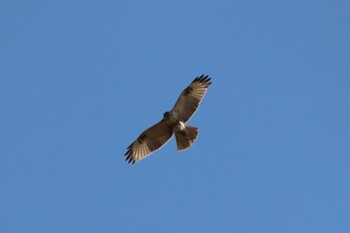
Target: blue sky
{"x": 80, "y": 80}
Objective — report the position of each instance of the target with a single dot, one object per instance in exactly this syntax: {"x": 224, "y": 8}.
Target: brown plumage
{"x": 190, "y": 98}
{"x": 155, "y": 137}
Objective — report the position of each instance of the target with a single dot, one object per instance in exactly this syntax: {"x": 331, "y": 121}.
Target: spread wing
{"x": 149, "y": 141}
{"x": 190, "y": 98}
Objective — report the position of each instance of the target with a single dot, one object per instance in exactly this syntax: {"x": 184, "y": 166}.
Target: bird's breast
{"x": 179, "y": 127}
{"x": 175, "y": 116}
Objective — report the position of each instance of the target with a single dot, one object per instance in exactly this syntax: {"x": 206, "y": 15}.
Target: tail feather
{"x": 185, "y": 138}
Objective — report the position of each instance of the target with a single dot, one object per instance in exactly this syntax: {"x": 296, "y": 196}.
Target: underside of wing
{"x": 149, "y": 141}
{"x": 190, "y": 98}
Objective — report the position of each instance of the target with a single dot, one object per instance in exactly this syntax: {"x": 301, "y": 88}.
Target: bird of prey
{"x": 173, "y": 122}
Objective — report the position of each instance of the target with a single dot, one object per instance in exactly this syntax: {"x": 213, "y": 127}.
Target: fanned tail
{"x": 185, "y": 138}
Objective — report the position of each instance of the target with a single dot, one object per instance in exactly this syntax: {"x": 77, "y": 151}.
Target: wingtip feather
{"x": 203, "y": 79}
{"x": 128, "y": 155}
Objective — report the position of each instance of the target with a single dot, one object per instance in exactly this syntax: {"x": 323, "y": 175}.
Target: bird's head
{"x": 167, "y": 114}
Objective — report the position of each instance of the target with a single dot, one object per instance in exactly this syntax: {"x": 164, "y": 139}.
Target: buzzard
{"x": 173, "y": 122}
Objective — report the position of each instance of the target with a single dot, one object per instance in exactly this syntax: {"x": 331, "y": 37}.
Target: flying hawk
{"x": 173, "y": 122}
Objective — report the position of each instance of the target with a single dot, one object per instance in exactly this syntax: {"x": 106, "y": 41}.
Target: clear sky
{"x": 80, "y": 80}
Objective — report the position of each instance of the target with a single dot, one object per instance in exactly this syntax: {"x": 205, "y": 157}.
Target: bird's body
{"x": 173, "y": 122}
